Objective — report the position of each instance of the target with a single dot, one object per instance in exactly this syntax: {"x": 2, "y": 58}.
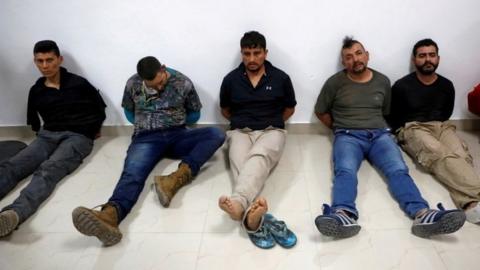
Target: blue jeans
{"x": 350, "y": 148}
{"x": 50, "y": 157}
{"x": 193, "y": 146}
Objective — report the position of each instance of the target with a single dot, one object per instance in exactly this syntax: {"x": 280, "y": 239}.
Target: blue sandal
{"x": 262, "y": 238}
{"x": 278, "y": 229}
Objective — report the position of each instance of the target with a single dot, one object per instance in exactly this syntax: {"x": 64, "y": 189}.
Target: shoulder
{"x": 444, "y": 80}
{"x": 380, "y": 77}
{"x": 276, "y": 71}
{"x": 180, "y": 80}
{"x": 405, "y": 80}
{"x": 134, "y": 81}
{"x": 232, "y": 75}
{"x": 336, "y": 80}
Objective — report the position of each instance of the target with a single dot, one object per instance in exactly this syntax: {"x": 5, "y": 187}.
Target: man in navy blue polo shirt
{"x": 257, "y": 98}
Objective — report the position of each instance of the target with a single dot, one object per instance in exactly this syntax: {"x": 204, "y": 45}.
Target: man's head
{"x": 47, "y": 58}
{"x": 254, "y": 50}
{"x": 425, "y": 56}
{"x": 152, "y": 72}
{"x": 354, "y": 57}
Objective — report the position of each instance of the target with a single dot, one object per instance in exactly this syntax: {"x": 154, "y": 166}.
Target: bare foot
{"x": 231, "y": 207}
{"x": 257, "y": 210}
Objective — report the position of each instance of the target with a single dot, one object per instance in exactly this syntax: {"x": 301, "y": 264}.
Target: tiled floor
{"x": 194, "y": 234}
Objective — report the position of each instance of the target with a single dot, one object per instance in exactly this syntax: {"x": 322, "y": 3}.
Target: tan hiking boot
{"x": 167, "y": 186}
{"x": 102, "y": 224}
{"x": 8, "y": 222}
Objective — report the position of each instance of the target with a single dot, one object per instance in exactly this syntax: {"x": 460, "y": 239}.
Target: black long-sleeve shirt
{"x": 414, "y": 101}
{"x": 77, "y": 106}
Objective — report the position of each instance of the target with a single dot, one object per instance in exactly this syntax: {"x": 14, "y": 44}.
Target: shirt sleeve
{"x": 451, "y": 101}
{"x": 192, "y": 101}
{"x": 225, "y": 94}
{"x": 32, "y": 114}
{"x": 394, "y": 118}
{"x": 127, "y": 101}
{"x": 325, "y": 98}
{"x": 290, "y": 100}
{"x": 387, "y": 98}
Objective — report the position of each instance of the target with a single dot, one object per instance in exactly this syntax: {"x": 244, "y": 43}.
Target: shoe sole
{"x": 88, "y": 224}
{"x": 333, "y": 228}
{"x": 7, "y": 226}
{"x": 162, "y": 196}
{"x": 448, "y": 223}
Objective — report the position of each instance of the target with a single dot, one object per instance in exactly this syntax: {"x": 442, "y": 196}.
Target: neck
{"x": 258, "y": 72}
{"x": 361, "y": 77}
{"x": 427, "y": 79}
{"x": 53, "y": 81}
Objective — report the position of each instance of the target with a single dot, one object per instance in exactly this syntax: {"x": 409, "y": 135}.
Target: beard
{"x": 428, "y": 68}
{"x": 254, "y": 67}
{"x": 359, "y": 67}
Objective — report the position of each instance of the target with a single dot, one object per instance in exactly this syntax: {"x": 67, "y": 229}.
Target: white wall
{"x": 103, "y": 40}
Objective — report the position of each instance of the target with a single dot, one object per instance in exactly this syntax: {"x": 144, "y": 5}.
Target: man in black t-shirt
{"x": 257, "y": 98}
{"x": 72, "y": 111}
{"x": 422, "y": 102}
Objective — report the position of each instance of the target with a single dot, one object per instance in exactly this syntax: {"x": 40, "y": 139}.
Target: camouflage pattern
{"x": 160, "y": 109}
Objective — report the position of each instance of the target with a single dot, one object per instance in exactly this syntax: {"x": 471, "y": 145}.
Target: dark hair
{"x": 148, "y": 67}
{"x": 253, "y": 39}
{"x": 348, "y": 42}
{"x": 424, "y": 43}
{"x": 46, "y": 46}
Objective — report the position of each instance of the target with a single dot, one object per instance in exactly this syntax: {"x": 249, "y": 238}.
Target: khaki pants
{"x": 436, "y": 146}
{"x": 253, "y": 154}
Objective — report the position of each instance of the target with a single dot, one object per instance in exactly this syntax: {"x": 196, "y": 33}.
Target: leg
{"x": 386, "y": 156}
{"x": 347, "y": 157}
{"x": 25, "y": 162}
{"x": 239, "y": 144}
{"x": 142, "y": 155}
{"x": 255, "y": 213}
{"x": 196, "y": 146}
{"x": 451, "y": 168}
{"x": 72, "y": 149}
{"x": 260, "y": 160}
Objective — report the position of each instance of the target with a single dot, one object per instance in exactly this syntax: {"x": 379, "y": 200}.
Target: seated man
{"x": 160, "y": 101}
{"x": 422, "y": 102}
{"x": 353, "y": 103}
{"x": 257, "y": 98}
{"x": 72, "y": 111}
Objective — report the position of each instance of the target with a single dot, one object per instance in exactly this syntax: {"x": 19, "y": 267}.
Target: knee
{"x": 216, "y": 134}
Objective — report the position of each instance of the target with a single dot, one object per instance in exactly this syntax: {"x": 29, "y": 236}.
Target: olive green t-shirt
{"x": 355, "y": 105}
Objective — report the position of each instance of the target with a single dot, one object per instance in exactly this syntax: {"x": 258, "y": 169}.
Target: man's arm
{"x": 226, "y": 113}
{"x": 288, "y": 112}
{"x": 325, "y": 118}
{"x": 32, "y": 115}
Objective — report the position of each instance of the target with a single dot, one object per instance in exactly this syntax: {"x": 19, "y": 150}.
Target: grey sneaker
{"x": 440, "y": 221}
{"x": 336, "y": 224}
{"x": 8, "y": 222}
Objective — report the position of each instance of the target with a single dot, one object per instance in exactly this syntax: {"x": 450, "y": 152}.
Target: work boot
{"x": 8, "y": 222}
{"x": 167, "y": 186}
{"x": 102, "y": 224}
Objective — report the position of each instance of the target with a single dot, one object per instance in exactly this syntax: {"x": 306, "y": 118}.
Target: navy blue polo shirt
{"x": 261, "y": 106}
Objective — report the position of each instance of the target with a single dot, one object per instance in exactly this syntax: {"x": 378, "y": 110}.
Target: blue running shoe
{"x": 262, "y": 237}
{"x": 440, "y": 221}
{"x": 338, "y": 224}
{"x": 282, "y": 235}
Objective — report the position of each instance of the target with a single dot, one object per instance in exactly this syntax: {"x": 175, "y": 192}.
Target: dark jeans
{"x": 50, "y": 157}
{"x": 193, "y": 146}
{"x": 350, "y": 148}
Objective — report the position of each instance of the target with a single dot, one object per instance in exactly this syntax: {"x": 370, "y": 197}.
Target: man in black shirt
{"x": 422, "y": 102}
{"x": 72, "y": 111}
{"x": 257, "y": 98}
